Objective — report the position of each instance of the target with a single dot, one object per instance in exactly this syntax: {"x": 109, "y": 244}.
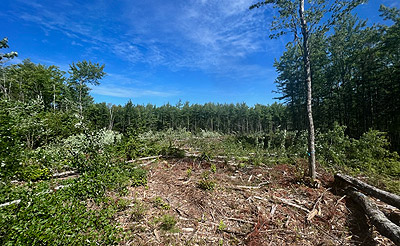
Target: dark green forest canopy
{"x": 355, "y": 73}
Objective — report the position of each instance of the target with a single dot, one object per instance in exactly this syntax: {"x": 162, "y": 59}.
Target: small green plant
{"x": 168, "y": 222}
{"x": 206, "y": 183}
{"x": 122, "y": 204}
{"x": 205, "y": 175}
{"x": 138, "y": 211}
{"x": 33, "y": 173}
{"x": 159, "y": 203}
{"x": 189, "y": 172}
{"x": 242, "y": 165}
{"x": 213, "y": 168}
{"x": 221, "y": 225}
{"x": 139, "y": 177}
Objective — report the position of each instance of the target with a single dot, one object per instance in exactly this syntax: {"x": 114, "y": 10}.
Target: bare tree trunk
{"x": 307, "y": 70}
{"x": 54, "y": 97}
{"x": 382, "y": 195}
{"x": 80, "y": 99}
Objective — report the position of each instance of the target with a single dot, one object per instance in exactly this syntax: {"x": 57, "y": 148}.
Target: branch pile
{"x": 377, "y": 217}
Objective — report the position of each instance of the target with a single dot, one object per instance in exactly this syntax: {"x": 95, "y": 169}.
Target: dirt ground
{"x": 253, "y": 205}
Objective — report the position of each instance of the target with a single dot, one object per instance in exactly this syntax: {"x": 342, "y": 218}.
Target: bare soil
{"x": 253, "y": 205}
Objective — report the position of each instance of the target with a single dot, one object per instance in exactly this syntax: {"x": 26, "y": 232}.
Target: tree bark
{"x": 377, "y": 218}
{"x": 80, "y": 100}
{"x": 382, "y": 195}
{"x": 307, "y": 71}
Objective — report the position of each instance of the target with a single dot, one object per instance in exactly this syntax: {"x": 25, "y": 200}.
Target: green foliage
{"x": 139, "y": 177}
{"x": 189, "y": 173}
{"x": 172, "y": 152}
{"x": 213, "y": 168}
{"x": 134, "y": 147}
{"x": 370, "y": 153}
{"x": 4, "y": 45}
{"x": 81, "y": 74}
{"x": 33, "y": 173}
{"x": 167, "y": 223}
{"x": 206, "y": 183}
{"x": 55, "y": 219}
{"x": 221, "y": 225}
{"x": 138, "y": 211}
{"x": 122, "y": 204}
{"x": 333, "y": 145}
{"x": 159, "y": 203}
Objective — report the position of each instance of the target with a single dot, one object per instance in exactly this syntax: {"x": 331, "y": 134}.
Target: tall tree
{"x": 81, "y": 74}
{"x": 4, "y": 57}
{"x": 305, "y": 24}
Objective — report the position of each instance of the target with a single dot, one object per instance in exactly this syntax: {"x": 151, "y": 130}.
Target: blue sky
{"x": 157, "y": 51}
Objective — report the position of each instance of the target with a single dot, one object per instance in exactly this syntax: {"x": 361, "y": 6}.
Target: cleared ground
{"x": 249, "y": 205}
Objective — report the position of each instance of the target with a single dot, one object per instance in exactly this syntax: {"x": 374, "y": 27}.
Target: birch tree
{"x": 304, "y": 19}
{"x": 82, "y": 74}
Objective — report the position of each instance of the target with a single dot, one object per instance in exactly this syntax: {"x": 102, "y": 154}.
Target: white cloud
{"x": 214, "y": 36}
{"x": 126, "y": 92}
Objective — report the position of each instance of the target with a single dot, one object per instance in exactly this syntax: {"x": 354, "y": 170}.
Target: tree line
{"x": 47, "y": 103}
{"x": 354, "y": 69}
{"x": 355, "y": 73}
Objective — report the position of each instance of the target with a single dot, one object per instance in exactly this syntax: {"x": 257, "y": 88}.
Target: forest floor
{"x": 249, "y": 205}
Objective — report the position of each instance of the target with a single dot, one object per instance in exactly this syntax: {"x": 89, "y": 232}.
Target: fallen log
{"x": 145, "y": 158}
{"x": 63, "y": 175}
{"x": 382, "y": 195}
{"x": 384, "y": 226}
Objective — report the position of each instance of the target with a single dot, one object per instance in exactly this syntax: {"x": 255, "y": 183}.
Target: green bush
{"x": 138, "y": 211}
{"x": 168, "y": 222}
{"x": 206, "y": 183}
{"x": 56, "y": 219}
{"x": 139, "y": 177}
{"x": 159, "y": 203}
{"x": 33, "y": 173}
{"x": 371, "y": 153}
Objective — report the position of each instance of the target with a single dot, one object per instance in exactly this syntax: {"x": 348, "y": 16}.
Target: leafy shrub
{"x": 159, "y": 203}
{"x": 221, "y": 225}
{"x": 133, "y": 147}
{"x": 139, "y": 177}
{"x": 122, "y": 204}
{"x": 189, "y": 172}
{"x": 371, "y": 153}
{"x": 138, "y": 211}
{"x": 56, "y": 219}
{"x": 333, "y": 146}
{"x": 213, "y": 168}
{"x": 171, "y": 151}
{"x": 168, "y": 222}
{"x": 33, "y": 173}
{"x": 206, "y": 183}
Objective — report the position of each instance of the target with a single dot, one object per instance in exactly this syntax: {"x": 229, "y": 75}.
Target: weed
{"x": 159, "y": 203}
{"x": 189, "y": 172}
{"x": 122, "y": 204}
{"x": 213, "y": 168}
{"x": 206, "y": 183}
{"x": 221, "y": 225}
{"x": 167, "y": 222}
{"x": 139, "y": 177}
{"x": 138, "y": 211}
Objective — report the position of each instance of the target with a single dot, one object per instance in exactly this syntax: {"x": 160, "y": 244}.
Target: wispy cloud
{"x": 127, "y": 92}
{"x": 214, "y": 36}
